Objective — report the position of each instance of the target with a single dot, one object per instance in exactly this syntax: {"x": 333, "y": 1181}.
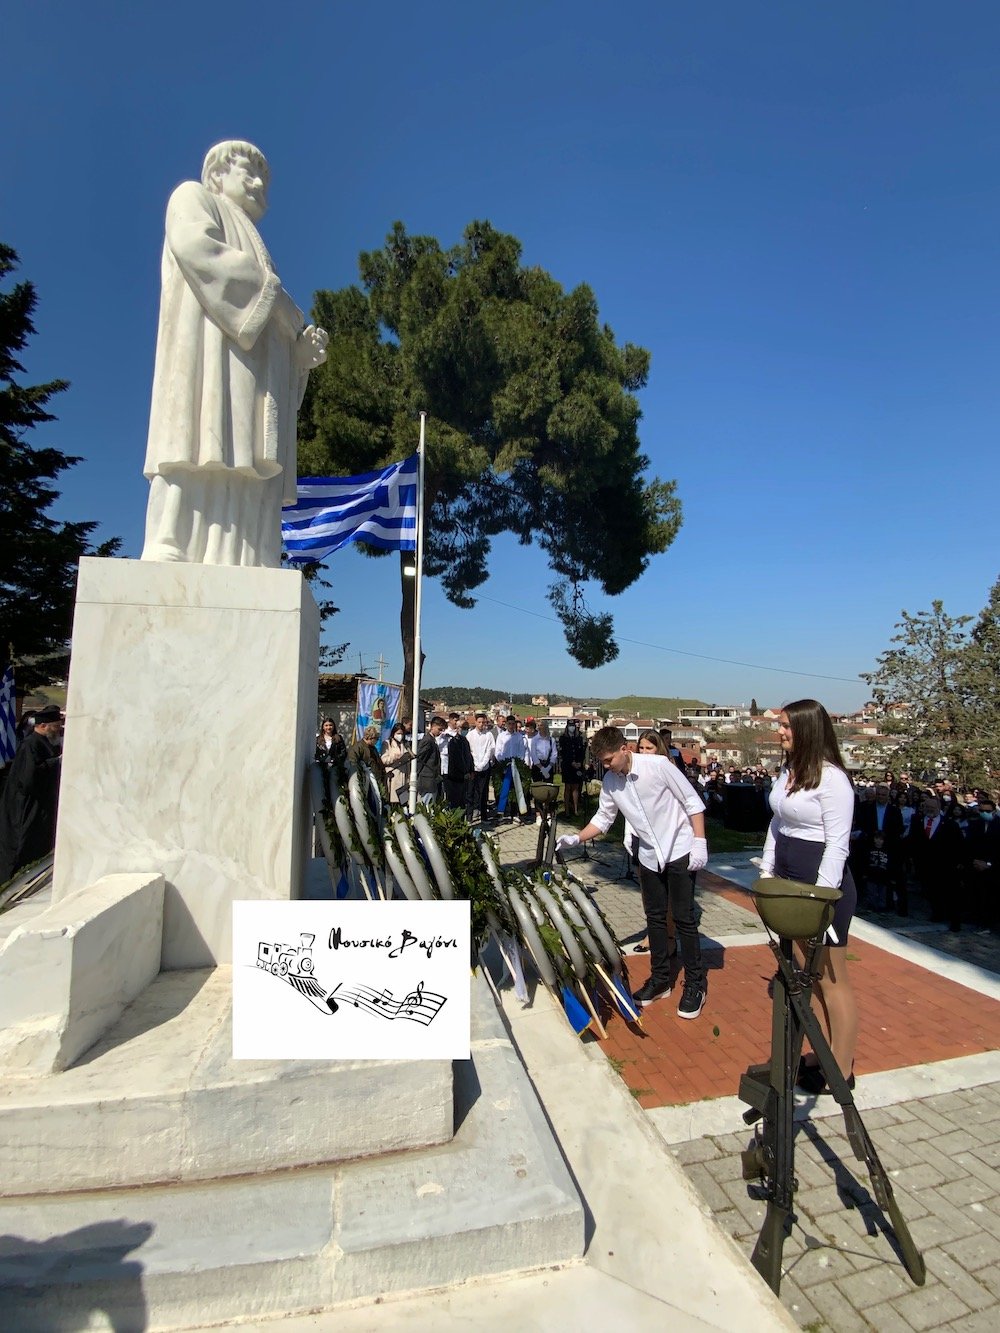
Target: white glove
{"x": 698, "y": 856}
{"x": 765, "y": 872}
{"x": 567, "y": 840}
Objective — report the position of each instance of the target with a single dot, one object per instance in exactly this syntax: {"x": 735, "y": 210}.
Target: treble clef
{"x": 415, "y": 998}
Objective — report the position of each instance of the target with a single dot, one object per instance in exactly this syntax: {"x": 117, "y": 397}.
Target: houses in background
{"x": 732, "y": 735}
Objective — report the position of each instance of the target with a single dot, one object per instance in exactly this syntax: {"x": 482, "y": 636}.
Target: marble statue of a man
{"x": 232, "y": 360}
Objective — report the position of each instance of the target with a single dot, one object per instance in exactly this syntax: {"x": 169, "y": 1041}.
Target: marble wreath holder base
{"x": 190, "y": 724}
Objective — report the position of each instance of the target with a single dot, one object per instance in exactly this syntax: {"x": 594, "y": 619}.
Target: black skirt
{"x": 795, "y": 858}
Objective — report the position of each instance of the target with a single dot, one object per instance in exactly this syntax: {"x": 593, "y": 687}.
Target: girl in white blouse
{"x": 808, "y": 840}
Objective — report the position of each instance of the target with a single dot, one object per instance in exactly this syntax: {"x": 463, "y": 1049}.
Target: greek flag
{"x": 378, "y": 507}
{"x": 8, "y": 731}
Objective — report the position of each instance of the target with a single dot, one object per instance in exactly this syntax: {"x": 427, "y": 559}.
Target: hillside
{"x": 643, "y": 705}
{"x": 647, "y": 706}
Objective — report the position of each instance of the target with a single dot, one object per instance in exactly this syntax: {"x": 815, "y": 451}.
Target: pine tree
{"x": 532, "y": 427}
{"x": 38, "y": 555}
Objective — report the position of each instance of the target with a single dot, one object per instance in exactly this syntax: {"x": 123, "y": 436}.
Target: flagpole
{"x": 419, "y": 577}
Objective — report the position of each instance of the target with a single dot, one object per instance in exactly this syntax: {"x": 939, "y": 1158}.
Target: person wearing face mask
{"x": 572, "y": 763}
{"x": 396, "y": 759}
{"x": 945, "y": 792}
{"x": 982, "y": 859}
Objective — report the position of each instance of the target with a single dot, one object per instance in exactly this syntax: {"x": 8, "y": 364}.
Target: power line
{"x": 679, "y": 652}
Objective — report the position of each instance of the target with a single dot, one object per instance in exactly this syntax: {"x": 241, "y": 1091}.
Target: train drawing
{"x": 294, "y": 963}
{"x": 280, "y": 959}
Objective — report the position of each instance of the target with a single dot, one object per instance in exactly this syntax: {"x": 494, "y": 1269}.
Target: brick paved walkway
{"x": 942, "y": 1151}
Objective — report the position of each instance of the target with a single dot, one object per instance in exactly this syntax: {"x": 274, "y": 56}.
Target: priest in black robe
{"x": 30, "y": 796}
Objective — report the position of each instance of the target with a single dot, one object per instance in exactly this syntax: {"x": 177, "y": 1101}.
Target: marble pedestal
{"x": 190, "y": 724}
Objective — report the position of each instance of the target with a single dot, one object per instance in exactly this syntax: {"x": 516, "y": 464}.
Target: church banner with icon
{"x": 378, "y": 706}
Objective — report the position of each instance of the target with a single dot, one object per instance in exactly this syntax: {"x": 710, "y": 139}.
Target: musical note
{"x": 419, "y": 1006}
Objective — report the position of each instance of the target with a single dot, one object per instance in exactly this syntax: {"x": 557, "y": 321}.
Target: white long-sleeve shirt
{"x": 657, "y": 802}
{"x": 510, "y": 745}
{"x": 824, "y": 814}
{"x": 483, "y": 747}
{"x": 443, "y": 741}
{"x": 541, "y": 750}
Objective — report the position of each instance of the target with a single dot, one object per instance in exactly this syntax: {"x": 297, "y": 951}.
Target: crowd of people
{"x": 930, "y": 837}
{"x": 463, "y": 764}
{"x": 872, "y": 840}
{"x": 905, "y": 835}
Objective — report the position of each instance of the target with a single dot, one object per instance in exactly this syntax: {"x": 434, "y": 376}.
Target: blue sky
{"x": 794, "y": 206}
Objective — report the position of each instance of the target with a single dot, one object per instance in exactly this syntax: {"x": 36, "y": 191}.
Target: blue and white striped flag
{"x": 8, "y": 729}
{"x": 378, "y": 507}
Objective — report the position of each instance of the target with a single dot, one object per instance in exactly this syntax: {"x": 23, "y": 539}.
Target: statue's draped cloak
{"x": 226, "y": 387}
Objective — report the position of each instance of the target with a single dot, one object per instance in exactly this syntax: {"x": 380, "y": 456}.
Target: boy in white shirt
{"x": 668, "y": 818}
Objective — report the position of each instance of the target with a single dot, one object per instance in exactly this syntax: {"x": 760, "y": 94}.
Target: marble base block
{"x": 68, "y": 974}
{"x": 190, "y": 724}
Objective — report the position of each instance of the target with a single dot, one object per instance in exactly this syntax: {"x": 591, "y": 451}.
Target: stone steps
{"x": 496, "y": 1198}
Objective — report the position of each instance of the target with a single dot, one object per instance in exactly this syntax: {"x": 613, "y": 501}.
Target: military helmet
{"x": 793, "y": 910}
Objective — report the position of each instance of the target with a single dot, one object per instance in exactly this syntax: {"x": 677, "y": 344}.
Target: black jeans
{"x": 671, "y": 886}
{"x": 481, "y": 791}
{"x": 456, "y": 792}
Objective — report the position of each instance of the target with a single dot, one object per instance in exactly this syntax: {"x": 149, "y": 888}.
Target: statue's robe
{"x": 226, "y": 390}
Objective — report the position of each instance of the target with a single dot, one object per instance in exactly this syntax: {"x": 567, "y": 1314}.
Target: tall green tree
{"x": 38, "y": 555}
{"x": 979, "y": 678}
{"x": 532, "y": 419}
{"x": 921, "y": 684}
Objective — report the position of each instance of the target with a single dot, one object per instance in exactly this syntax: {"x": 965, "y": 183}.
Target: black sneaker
{"x": 692, "y": 1001}
{"x": 651, "y": 991}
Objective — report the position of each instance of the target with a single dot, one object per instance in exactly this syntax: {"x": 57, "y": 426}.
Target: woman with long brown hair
{"x": 808, "y": 840}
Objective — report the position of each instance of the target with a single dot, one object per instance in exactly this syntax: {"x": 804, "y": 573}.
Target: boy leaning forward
{"x": 665, "y": 821}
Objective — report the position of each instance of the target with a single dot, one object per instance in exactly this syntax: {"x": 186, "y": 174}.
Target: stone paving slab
{"x": 839, "y": 1262}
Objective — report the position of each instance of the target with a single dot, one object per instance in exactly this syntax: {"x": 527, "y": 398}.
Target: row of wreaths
{"x": 378, "y": 851}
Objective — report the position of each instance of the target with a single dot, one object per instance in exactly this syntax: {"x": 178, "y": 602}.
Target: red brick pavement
{"x": 909, "y": 1015}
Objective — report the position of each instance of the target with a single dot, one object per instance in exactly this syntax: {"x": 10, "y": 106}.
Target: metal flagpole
{"x": 419, "y": 576}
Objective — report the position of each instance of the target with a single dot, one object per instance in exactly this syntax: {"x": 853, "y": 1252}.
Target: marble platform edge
{"x": 159, "y": 1099}
{"x": 498, "y": 1199}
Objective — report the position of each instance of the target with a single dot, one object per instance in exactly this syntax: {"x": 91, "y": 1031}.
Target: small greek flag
{"x": 8, "y": 729}
{"x": 378, "y": 507}
{"x": 630, "y": 1010}
{"x": 577, "y": 1017}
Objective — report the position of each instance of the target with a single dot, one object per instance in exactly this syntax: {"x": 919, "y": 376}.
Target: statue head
{"x": 239, "y": 171}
